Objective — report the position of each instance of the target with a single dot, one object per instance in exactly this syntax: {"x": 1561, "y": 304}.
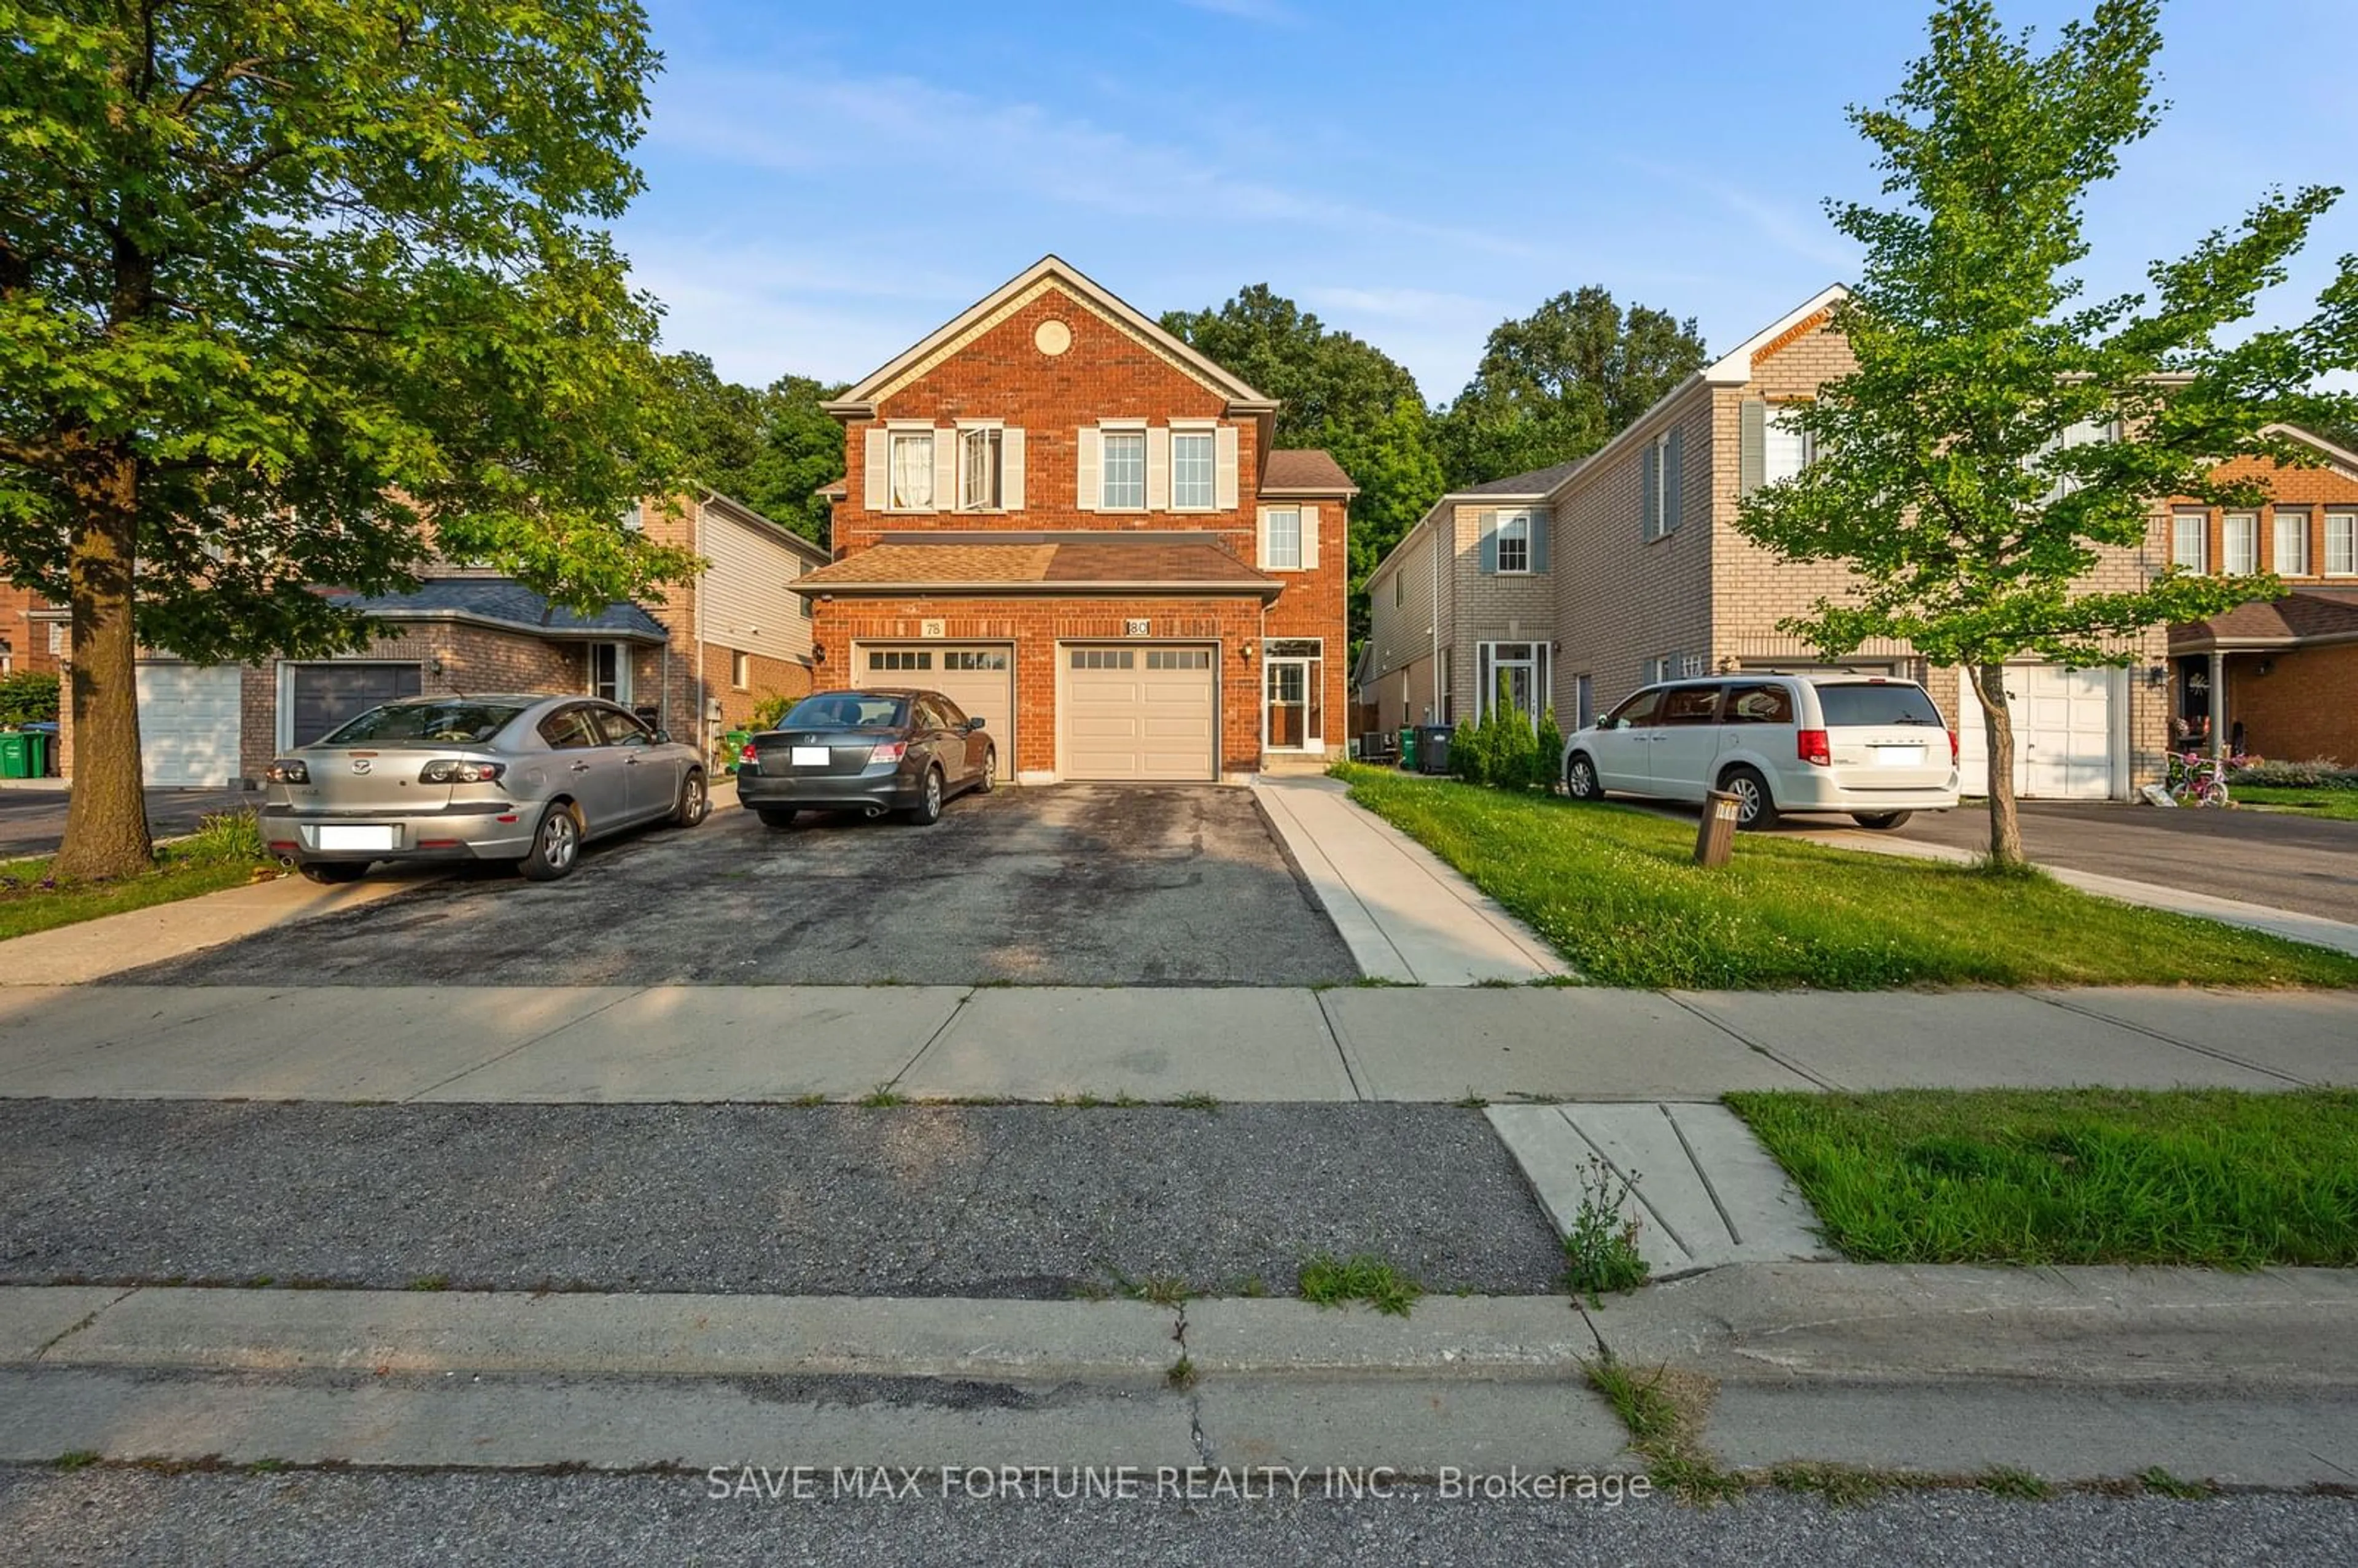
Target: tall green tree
{"x": 1955, "y": 478}
{"x": 771, "y": 448}
{"x": 282, "y": 280}
{"x": 1337, "y": 391}
{"x": 1558, "y": 384}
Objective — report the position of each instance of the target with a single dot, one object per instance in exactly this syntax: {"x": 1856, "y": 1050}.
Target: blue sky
{"x": 828, "y": 183}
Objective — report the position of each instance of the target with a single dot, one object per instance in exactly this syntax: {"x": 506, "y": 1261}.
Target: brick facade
{"x": 24, "y": 642}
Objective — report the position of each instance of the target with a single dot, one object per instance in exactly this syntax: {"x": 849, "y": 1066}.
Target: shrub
{"x": 224, "y": 836}
{"x": 2318, "y": 772}
{"x": 771, "y": 711}
{"x": 1511, "y": 746}
{"x": 1547, "y": 761}
{"x": 1469, "y": 755}
{"x": 28, "y": 697}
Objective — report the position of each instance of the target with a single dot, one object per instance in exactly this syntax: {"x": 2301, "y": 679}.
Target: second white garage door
{"x": 188, "y": 723}
{"x": 2065, "y": 741}
{"x": 1137, "y": 712}
{"x": 980, "y": 680}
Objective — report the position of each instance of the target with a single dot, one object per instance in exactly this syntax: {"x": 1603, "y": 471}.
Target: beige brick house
{"x": 694, "y": 662}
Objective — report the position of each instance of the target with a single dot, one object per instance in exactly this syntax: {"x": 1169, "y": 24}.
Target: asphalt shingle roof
{"x": 1080, "y": 560}
{"x": 509, "y": 603}
{"x": 1304, "y": 469}
{"x": 1539, "y": 482}
{"x": 2322, "y": 614}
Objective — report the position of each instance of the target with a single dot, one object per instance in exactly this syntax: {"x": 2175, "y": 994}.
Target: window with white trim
{"x": 2239, "y": 544}
{"x": 2292, "y": 553}
{"x": 741, "y": 670}
{"x": 609, "y": 671}
{"x": 2189, "y": 541}
{"x": 1285, "y": 538}
{"x": 1785, "y": 448}
{"x": 1514, "y": 673}
{"x": 1195, "y": 468}
{"x": 2341, "y": 545}
{"x": 979, "y": 469}
{"x": 1514, "y": 543}
{"x": 1121, "y": 468}
{"x": 912, "y": 455}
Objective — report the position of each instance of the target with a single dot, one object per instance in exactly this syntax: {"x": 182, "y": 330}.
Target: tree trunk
{"x": 106, "y": 814}
{"x": 1997, "y": 723}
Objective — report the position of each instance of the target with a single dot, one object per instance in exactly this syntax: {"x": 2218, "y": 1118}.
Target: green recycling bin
{"x": 1408, "y": 748}
{"x": 15, "y": 756}
{"x": 36, "y": 744}
{"x": 732, "y": 741}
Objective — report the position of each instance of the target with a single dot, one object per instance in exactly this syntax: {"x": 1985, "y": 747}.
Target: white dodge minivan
{"x": 1869, "y": 746}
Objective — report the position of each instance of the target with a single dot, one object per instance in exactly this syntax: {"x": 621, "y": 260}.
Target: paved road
{"x": 1142, "y": 885}
{"x": 117, "y": 1516}
{"x": 2256, "y": 857}
{"x": 33, "y": 821}
{"x": 1031, "y": 1201}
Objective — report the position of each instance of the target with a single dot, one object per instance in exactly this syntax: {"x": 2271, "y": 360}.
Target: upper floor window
{"x": 912, "y": 471}
{"x": 1195, "y": 464}
{"x": 979, "y": 469}
{"x": 635, "y": 518}
{"x": 1514, "y": 542}
{"x": 1285, "y": 538}
{"x": 2239, "y": 544}
{"x": 2292, "y": 542}
{"x": 1785, "y": 448}
{"x": 1123, "y": 465}
{"x": 2189, "y": 541}
{"x": 1659, "y": 498}
{"x": 2341, "y": 546}
{"x": 1400, "y": 587}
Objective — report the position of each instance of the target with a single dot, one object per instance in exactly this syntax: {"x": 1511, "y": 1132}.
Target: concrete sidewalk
{"x": 2071, "y": 1374}
{"x": 776, "y": 1043}
{"x": 1406, "y": 915}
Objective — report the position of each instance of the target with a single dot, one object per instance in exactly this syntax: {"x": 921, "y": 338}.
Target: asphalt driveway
{"x": 33, "y": 820}
{"x": 1075, "y": 884}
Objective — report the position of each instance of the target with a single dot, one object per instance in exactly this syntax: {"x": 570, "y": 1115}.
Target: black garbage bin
{"x": 1433, "y": 748}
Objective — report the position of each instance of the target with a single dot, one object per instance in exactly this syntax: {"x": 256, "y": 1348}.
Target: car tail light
{"x": 748, "y": 757}
{"x": 290, "y": 770}
{"x": 888, "y": 751}
{"x": 1812, "y": 747}
{"x": 1953, "y": 748}
{"x": 461, "y": 770}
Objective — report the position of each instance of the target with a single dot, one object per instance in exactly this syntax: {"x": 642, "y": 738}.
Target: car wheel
{"x": 929, "y": 809}
{"x": 694, "y": 802}
{"x": 1580, "y": 778}
{"x": 333, "y": 873}
{"x": 989, "y": 780}
{"x": 775, "y": 817}
{"x": 1755, "y": 807}
{"x": 1882, "y": 821}
{"x": 556, "y": 845}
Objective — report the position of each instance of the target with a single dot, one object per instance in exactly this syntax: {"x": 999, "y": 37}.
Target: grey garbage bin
{"x": 1433, "y": 748}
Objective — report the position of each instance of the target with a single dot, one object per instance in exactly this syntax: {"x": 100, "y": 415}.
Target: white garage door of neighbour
{"x": 188, "y": 724}
{"x": 2063, "y": 745}
{"x": 980, "y": 680}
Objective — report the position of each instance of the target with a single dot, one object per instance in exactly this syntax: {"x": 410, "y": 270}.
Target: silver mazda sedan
{"x": 520, "y": 778}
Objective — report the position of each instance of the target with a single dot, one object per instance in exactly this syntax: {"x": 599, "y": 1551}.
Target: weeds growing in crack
{"x": 1842, "y": 1485}
{"x": 884, "y": 1097}
{"x": 1600, "y": 1249}
{"x": 1663, "y": 1414}
{"x": 1162, "y": 1290}
{"x": 1183, "y": 1374}
{"x": 2162, "y": 1484}
{"x": 1328, "y": 1283}
{"x": 2006, "y": 1481}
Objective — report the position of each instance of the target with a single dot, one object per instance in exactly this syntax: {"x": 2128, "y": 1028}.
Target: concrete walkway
{"x": 92, "y": 949}
{"x": 706, "y": 1043}
{"x": 2315, "y": 929}
{"x": 1406, "y": 915}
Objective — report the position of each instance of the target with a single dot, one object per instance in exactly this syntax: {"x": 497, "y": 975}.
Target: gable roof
{"x": 1297, "y": 471}
{"x": 1735, "y": 366}
{"x": 1049, "y": 272}
{"x": 1083, "y": 563}
{"x": 1537, "y": 481}
{"x": 767, "y": 526}
{"x": 2306, "y": 615}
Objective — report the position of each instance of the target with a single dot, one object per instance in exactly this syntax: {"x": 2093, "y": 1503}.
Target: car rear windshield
{"x": 847, "y": 711}
{"x": 458, "y": 722}
{"x": 1895, "y": 702}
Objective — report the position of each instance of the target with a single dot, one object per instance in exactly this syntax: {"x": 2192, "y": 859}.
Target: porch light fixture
{"x": 818, "y": 653}
{"x": 2158, "y": 675}
{"x": 1245, "y": 648}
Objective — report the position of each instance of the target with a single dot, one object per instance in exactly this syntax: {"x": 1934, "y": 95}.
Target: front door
{"x": 1294, "y": 715}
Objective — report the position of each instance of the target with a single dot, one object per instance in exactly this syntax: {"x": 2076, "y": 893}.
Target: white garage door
{"x": 980, "y": 680}
{"x": 188, "y": 723}
{"x": 2064, "y": 744}
{"x": 1137, "y": 712}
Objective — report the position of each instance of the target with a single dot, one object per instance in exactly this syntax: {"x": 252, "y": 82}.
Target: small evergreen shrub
{"x": 1547, "y": 761}
{"x": 1469, "y": 752}
{"x": 2318, "y": 772}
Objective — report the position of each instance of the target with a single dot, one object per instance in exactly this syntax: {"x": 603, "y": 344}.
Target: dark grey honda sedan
{"x": 872, "y": 751}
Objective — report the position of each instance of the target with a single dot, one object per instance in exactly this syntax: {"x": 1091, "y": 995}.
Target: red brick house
{"x": 32, "y": 638}
{"x": 2283, "y": 672}
{"x": 1074, "y": 526}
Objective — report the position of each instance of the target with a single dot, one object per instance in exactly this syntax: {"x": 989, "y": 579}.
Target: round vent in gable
{"x": 1051, "y": 337}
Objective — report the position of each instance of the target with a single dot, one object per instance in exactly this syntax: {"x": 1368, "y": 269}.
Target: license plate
{"x": 812, "y": 757}
{"x": 1899, "y": 756}
{"x": 335, "y": 836}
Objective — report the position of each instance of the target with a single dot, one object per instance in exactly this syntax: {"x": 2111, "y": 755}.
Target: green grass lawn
{"x": 1616, "y": 892}
{"x": 225, "y": 852}
{"x": 2341, "y": 805}
{"x": 2216, "y": 1177}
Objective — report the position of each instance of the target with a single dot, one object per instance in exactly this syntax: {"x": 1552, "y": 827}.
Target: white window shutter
{"x": 877, "y": 482}
{"x": 1158, "y": 468}
{"x": 1084, "y": 485}
{"x": 1010, "y": 469}
{"x": 946, "y": 471}
{"x": 1225, "y": 494}
{"x": 1309, "y": 538}
{"x": 1261, "y": 539}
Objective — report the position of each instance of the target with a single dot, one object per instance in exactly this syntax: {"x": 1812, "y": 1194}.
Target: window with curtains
{"x": 2189, "y": 541}
{"x": 1193, "y": 466}
{"x": 979, "y": 470}
{"x": 1122, "y": 467}
{"x": 2239, "y": 544}
{"x": 912, "y": 471}
{"x": 2341, "y": 547}
{"x": 1785, "y": 449}
{"x": 1285, "y": 538}
{"x": 2291, "y": 554}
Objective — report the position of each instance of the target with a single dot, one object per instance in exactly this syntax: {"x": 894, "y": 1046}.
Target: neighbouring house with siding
{"x": 694, "y": 662}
